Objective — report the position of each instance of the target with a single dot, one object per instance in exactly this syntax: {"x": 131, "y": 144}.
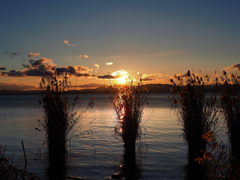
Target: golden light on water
{"x": 121, "y": 119}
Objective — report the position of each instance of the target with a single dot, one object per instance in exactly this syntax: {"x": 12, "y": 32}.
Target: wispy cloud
{"x": 84, "y": 56}
{"x": 109, "y": 63}
{"x": 13, "y": 54}
{"x": 31, "y": 55}
{"x": 167, "y": 53}
{"x": 2, "y": 68}
{"x": 66, "y": 42}
{"x": 69, "y": 57}
{"x": 79, "y": 56}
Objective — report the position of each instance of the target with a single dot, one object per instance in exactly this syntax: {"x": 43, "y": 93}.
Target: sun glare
{"x": 123, "y": 76}
{"x": 122, "y": 80}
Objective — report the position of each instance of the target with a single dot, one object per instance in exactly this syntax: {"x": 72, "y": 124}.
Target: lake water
{"x": 98, "y": 152}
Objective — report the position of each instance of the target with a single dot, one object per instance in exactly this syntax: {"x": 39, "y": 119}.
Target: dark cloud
{"x": 14, "y": 86}
{"x": 13, "y": 73}
{"x": 109, "y": 77}
{"x": 42, "y": 66}
{"x": 237, "y": 66}
{"x": 35, "y": 72}
{"x": 75, "y": 70}
{"x": 2, "y": 68}
{"x": 12, "y": 53}
{"x": 91, "y": 85}
{"x": 147, "y": 79}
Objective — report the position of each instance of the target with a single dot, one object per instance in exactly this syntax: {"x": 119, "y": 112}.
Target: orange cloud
{"x": 31, "y": 55}
{"x": 79, "y": 56}
{"x": 85, "y": 56}
{"x": 66, "y": 42}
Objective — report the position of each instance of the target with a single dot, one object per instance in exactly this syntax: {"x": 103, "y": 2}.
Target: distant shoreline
{"x": 152, "y": 88}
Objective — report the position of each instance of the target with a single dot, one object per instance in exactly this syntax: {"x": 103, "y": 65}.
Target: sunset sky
{"x": 97, "y": 41}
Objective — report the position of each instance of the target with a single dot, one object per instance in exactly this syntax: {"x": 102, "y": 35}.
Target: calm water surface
{"x": 98, "y": 152}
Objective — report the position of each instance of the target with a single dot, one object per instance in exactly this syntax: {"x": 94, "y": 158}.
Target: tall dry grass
{"x": 60, "y": 115}
{"x": 221, "y": 164}
{"x": 128, "y": 102}
{"x": 196, "y": 110}
{"x": 230, "y": 102}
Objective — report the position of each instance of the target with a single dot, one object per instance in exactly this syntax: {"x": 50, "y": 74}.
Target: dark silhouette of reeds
{"x": 56, "y": 121}
{"x": 230, "y": 102}
{"x": 221, "y": 164}
{"x": 131, "y": 168}
{"x": 59, "y": 116}
{"x": 196, "y": 110}
{"x": 128, "y": 102}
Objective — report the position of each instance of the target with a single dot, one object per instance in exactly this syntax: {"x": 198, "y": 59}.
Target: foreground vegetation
{"x": 129, "y": 102}
{"x": 12, "y": 171}
{"x": 198, "y": 111}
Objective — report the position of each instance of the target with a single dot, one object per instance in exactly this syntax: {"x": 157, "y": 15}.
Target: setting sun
{"x": 123, "y": 76}
{"x": 122, "y": 80}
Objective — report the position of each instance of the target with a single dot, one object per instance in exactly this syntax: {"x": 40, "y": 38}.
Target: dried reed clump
{"x": 128, "y": 102}
{"x": 230, "y": 102}
{"x": 196, "y": 110}
{"x": 59, "y": 115}
{"x": 221, "y": 164}
{"x": 9, "y": 170}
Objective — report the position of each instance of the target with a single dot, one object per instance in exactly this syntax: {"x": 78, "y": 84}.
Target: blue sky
{"x": 156, "y": 38}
